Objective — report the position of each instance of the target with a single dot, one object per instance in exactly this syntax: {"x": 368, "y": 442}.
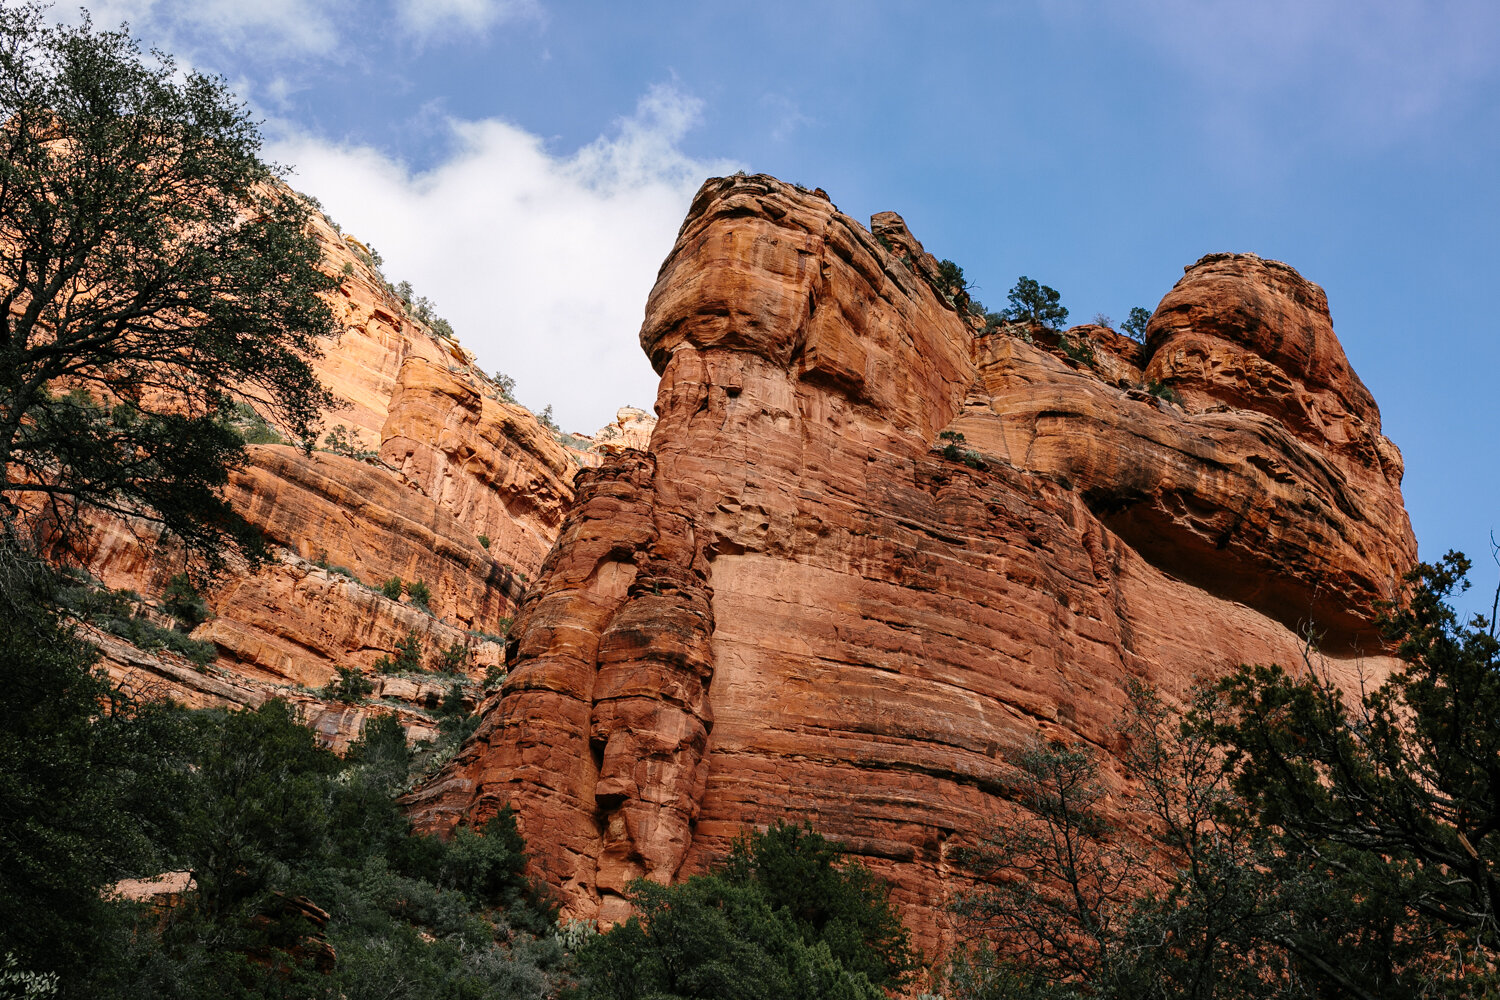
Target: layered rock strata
{"x": 455, "y": 488}
{"x": 795, "y": 604}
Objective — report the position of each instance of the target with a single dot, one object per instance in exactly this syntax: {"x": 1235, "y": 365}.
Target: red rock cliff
{"x": 793, "y": 605}
{"x": 459, "y": 489}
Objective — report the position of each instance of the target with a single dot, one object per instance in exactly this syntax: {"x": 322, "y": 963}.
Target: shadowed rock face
{"x": 792, "y": 605}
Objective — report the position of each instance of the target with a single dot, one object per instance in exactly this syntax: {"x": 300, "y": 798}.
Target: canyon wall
{"x": 440, "y": 479}
{"x": 803, "y": 600}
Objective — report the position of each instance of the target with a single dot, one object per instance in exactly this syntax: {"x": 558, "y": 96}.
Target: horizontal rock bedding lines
{"x": 793, "y": 605}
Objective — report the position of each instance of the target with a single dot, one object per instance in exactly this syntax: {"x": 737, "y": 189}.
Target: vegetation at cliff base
{"x": 783, "y": 916}
{"x": 307, "y": 880}
{"x": 1306, "y": 845}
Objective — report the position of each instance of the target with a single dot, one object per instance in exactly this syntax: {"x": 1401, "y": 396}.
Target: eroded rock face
{"x": 460, "y": 491}
{"x": 794, "y": 605}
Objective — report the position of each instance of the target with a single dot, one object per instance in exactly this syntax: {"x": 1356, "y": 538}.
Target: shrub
{"x": 340, "y": 441}
{"x": 1081, "y": 351}
{"x": 484, "y": 540}
{"x": 451, "y": 660}
{"x": 1162, "y": 391}
{"x": 408, "y": 658}
{"x": 953, "y": 450}
{"x": 420, "y": 594}
{"x": 506, "y": 385}
{"x": 392, "y": 588}
{"x": 952, "y": 277}
{"x": 148, "y": 635}
{"x": 322, "y": 563}
{"x": 783, "y": 916}
{"x": 252, "y": 427}
{"x": 349, "y": 686}
{"x": 545, "y": 418}
{"x": 183, "y": 602}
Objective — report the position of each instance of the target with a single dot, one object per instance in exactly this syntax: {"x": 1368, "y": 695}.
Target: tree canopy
{"x": 151, "y": 270}
{"x": 1032, "y": 302}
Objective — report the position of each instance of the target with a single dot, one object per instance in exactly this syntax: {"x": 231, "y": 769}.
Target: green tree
{"x": 1387, "y": 808}
{"x": 1035, "y": 303}
{"x": 408, "y": 659}
{"x": 828, "y": 899}
{"x": 1134, "y": 326}
{"x": 1057, "y": 888}
{"x": 85, "y": 774}
{"x": 1316, "y": 847}
{"x": 785, "y": 915}
{"x": 150, "y": 268}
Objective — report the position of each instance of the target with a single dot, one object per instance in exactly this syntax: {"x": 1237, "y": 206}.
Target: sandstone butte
{"x": 792, "y": 605}
{"x": 447, "y": 459}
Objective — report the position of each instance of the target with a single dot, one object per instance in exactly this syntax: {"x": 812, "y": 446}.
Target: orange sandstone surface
{"x": 449, "y": 466}
{"x": 791, "y": 604}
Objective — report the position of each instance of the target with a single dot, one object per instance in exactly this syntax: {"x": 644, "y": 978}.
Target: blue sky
{"x": 527, "y": 164}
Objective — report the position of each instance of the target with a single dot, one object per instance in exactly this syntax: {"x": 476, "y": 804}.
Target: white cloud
{"x": 437, "y": 17}
{"x": 542, "y": 261}
{"x": 272, "y": 27}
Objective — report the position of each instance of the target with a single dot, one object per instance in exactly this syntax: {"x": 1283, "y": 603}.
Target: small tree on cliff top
{"x": 1031, "y": 302}
{"x": 149, "y": 267}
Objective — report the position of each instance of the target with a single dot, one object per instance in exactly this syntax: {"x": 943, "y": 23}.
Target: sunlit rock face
{"x": 792, "y": 604}
{"x": 441, "y": 481}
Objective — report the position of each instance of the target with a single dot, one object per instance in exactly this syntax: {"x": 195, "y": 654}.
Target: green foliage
{"x": 494, "y": 676}
{"x": 392, "y": 588}
{"x": 453, "y": 659}
{"x": 322, "y": 563}
{"x": 1162, "y": 391}
{"x": 546, "y": 420}
{"x": 408, "y": 657}
{"x": 952, "y": 278}
{"x": 506, "y": 385}
{"x": 84, "y": 772}
{"x": 1320, "y": 848}
{"x": 349, "y": 686}
{"x": 1134, "y": 326}
{"x": 1055, "y": 888}
{"x": 420, "y": 594}
{"x": 183, "y": 602}
{"x": 118, "y": 612}
{"x": 251, "y": 426}
{"x": 953, "y": 450}
{"x": 832, "y": 901}
{"x": 708, "y": 939}
{"x": 1035, "y": 303}
{"x": 423, "y": 309}
{"x": 340, "y": 441}
{"x": 484, "y": 540}
{"x": 94, "y": 787}
{"x": 1081, "y": 351}
{"x": 114, "y": 286}
{"x": 147, "y": 635}
{"x": 783, "y": 916}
